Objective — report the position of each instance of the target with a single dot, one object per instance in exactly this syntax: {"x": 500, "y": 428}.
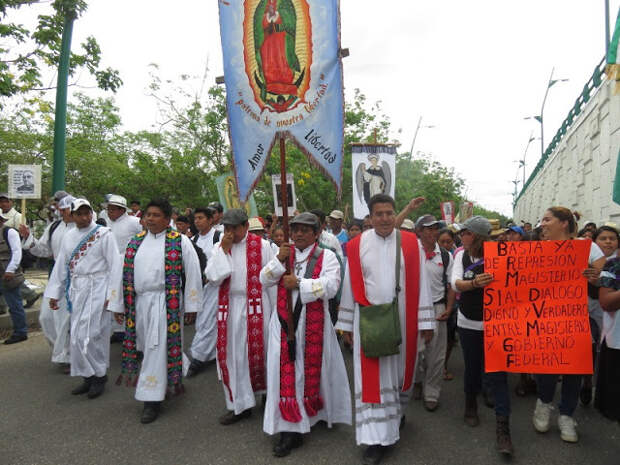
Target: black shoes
{"x": 503, "y": 441}
{"x": 83, "y": 388}
{"x": 229, "y": 418}
{"x": 97, "y": 386}
{"x": 94, "y": 386}
{"x": 16, "y": 338}
{"x": 374, "y": 454}
{"x": 198, "y": 366}
{"x": 150, "y": 412}
{"x": 471, "y": 410}
{"x": 287, "y": 442}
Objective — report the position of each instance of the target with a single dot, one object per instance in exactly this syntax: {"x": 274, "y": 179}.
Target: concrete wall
{"x": 580, "y": 173}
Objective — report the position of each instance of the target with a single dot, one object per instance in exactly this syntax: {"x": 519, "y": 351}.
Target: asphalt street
{"x": 42, "y": 423}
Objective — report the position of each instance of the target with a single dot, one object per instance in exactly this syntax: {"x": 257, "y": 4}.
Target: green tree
{"x": 25, "y": 53}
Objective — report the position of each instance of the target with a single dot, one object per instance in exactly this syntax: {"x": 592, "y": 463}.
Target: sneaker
{"x": 568, "y": 428}
{"x": 541, "y": 416}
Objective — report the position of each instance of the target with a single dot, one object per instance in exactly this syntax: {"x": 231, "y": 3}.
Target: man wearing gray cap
{"x": 244, "y": 309}
{"x": 438, "y": 265}
{"x": 307, "y": 380}
{"x": 87, "y": 257}
{"x": 55, "y": 324}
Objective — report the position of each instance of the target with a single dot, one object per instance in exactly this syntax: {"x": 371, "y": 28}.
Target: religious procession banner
{"x": 536, "y": 309}
{"x": 283, "y": 77}
{"x": 613, "y": 56}
{"x": 374, "y": 172}
{"x": 447, "y": 212}
{"x": 466, "y": 211}
{"x": 229, "y": 197}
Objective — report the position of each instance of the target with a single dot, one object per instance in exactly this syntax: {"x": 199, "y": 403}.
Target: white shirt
{"x": 44, "y": 247}
{"x": 457, "y": 273}
{"x": 123, "y": 229}
{"x": 434, "y": 270}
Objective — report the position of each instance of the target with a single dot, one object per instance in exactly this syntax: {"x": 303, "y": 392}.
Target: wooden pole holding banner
{"x": 290, "y": 334}
{"x": 23, "y": 220}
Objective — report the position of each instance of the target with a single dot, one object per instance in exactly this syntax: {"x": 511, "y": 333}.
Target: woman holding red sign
{"x": 469, "y": 278}
{"x": 558, "y": 224}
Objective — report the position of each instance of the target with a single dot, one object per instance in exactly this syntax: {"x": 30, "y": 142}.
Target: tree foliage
{"x": 181, "y": 157}
{"x": 25, "y": 54}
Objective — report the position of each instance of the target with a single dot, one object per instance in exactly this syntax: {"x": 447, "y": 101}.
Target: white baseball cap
{"x": 77, "y": 203}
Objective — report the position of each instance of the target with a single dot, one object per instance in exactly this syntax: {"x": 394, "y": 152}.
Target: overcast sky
{"x": 473, "y": 69}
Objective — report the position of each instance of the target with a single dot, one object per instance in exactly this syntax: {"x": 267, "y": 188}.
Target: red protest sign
{"x": 536, "y": 308}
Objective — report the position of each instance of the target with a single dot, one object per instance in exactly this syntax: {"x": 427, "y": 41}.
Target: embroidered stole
{"x": 371, "y": 387}
{"x": 313, "y": 350}
{"x": 173, "y": 281}
{"x": 78, "y": 253}
{"x": 256, "y": 353}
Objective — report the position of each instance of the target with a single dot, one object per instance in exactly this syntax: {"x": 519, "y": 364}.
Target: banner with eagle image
{"x": 374, "y": 171}
{"x": 283, "y": 76}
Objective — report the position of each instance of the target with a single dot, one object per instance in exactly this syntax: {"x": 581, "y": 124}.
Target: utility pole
{"x": 60, "y": 120}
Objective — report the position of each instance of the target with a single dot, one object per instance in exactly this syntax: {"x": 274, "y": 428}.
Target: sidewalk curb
{"x": 32, "y": 317}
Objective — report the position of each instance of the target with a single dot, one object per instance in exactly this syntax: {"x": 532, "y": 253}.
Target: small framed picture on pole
{"x": 24, "y": 181}
{"x": 290, "y": 194}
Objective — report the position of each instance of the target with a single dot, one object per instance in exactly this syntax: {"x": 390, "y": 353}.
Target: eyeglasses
{"x": 465, "y": 232}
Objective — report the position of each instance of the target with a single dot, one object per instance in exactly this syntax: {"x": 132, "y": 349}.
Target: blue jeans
{"x": 472, "y": 342}
{"x": 570, "y": 391}
{"x": 13, "y": 299}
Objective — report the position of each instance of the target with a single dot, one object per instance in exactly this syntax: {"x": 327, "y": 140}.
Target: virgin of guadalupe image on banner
{"x": 374, "y": 171}
{"x": 283, "y": 76}
{"x": 229, "y": 197}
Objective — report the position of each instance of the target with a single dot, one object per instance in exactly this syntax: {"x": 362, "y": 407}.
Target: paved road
{"x": 41, "y": 423}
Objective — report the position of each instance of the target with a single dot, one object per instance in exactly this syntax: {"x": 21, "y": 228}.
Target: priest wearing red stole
{"x": 307, "y": 379}
{"x": 244, "y": 309}
{"x": 383, "y": 384}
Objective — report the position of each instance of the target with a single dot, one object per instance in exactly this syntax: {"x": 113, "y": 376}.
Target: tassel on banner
{"x": 289, "y": 408}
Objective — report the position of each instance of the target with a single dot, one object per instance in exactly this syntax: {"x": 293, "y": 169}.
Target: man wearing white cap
{"x": 55, "y": 324}
{"x": 123, "y": 227}
{"x": 81, "y": 273}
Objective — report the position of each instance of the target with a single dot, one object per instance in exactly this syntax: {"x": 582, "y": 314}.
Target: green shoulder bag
{"x": 380, "y": 324}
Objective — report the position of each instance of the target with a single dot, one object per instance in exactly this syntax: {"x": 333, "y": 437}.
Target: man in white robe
{"x": 87, "y": 256}
{"x": 243, "y": 305}
{"x": 123, "y": 227}
{"x": 383, "y": 385}
{"x": 55, "y": 324}
{"x": 203, "y": 345}
{"x": 306, "y": 286}
{"x": 152, "y": 308}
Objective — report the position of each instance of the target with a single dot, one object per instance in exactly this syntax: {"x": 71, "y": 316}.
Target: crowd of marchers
{"x": 274, "y": 316}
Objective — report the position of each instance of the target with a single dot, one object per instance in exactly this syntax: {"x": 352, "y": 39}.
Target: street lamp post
{"x": 415, "y": 135}
{"x": 522, "y": 161}
{"x": 539, "y": 118}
